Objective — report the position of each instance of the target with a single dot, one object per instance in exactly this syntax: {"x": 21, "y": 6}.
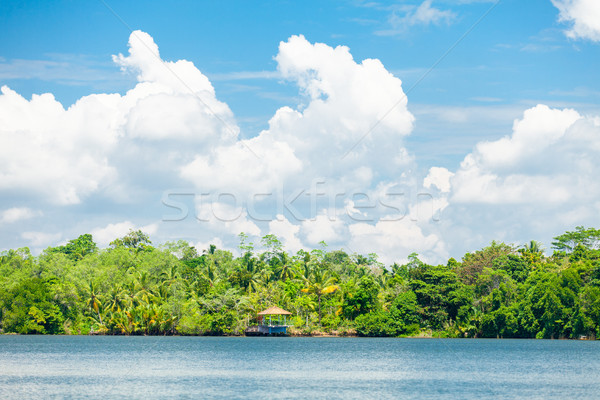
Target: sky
{"x": 430, "y": 126}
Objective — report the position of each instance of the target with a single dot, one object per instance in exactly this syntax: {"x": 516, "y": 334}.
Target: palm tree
{"x": 93, "y": 302}
{"x": 533, "y": 247}
{"x": 169, "y": 276}
{"x": 533, "y": 251}
{"x": 383, "y": 278}
{"x": 320, "y": 283}
{"x": 285, "y": 269}
{"x": 116, "y": 298}
{"x": 143, "y": 293}
{"x": 169, "y": 279}
{"x": 122, "y": 320}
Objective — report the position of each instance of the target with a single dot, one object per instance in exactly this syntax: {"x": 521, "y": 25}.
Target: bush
{"x": 374, "y": 324}
{"x": 400, "y": 320}
{"x": 330, "y": 321}
{"x": 221, "y": 323}
{"x": 29, "y": 309}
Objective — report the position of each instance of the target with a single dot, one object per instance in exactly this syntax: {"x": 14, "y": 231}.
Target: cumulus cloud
{"x": 534, "y": 183}
{"x": 173, "y": 100}
{"x": 170, "y": 129}
{"x": 328, "y": 140}
{"x": 439, "y": 178}
{"x": 584, "y": 15}
{"x": 345, "y": 100}
{"x": 255, "y": 165}
{"x": 551, "y": 157}
{"x": 49, "y": 151}
{"x": 68, "y": 154}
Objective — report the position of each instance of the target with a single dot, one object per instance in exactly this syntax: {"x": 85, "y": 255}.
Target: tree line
{"x": 135, "y": 288}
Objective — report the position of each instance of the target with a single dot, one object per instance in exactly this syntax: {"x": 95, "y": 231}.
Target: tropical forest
{"x": 135, "y": 288}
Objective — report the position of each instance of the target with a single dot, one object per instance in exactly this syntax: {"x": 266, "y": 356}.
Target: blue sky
{"x": 514, "y": 56}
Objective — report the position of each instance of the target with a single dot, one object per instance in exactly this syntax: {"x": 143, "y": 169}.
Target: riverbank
{"x": 313, "y": 334}
{"x": 318, "y": 333}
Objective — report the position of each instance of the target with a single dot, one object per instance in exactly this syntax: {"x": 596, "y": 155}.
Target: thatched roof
{"x": 274, "y": 311}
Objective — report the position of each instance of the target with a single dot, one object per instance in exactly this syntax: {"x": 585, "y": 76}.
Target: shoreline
{"x": 306, "y": 335}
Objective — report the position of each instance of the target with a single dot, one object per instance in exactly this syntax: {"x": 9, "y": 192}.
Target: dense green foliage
{"x": 133, "y": 287}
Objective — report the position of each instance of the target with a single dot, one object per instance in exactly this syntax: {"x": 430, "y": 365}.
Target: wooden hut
{"x": 272, "y": 321}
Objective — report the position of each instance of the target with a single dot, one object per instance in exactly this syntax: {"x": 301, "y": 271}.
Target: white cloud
{"x": 394, "y": 236}
{"x": 345, "y": 100}
{"x": 172, "y": 99}
{"x": 425, "y": 14}
{"x": 330, "y": 229}
{"x": 438, "y": 177}
{"x": 426, "y": 209}
{"x": 51, "y": 151}
{"x": 41, "y": 239}
{"x": 144, "y": 58}
{"x": 534, "y": 184}
{"x": 551, "y": 157}
{"x": 17, "y": 214}
{"x": 163, "y": 134}
{"x": 541, "y": 127}
{"x": 584, "y": 15}
{"x": 351, "y": 210}
{"x": 225, "y": 218}
{"x": 171, "y": 129}
{"x": 103, "y": 236}
{"x": 409, "y": 16}
{"x": 394, "y": 240}
{"x": 103, "y": 140}
{"x": 255, "y": 165}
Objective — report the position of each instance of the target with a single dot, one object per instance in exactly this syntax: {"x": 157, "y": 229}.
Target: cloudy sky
{"x": 392, "y": 127}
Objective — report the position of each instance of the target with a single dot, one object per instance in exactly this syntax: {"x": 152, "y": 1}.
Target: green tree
{"x": 78, "y": 248}
{"x": 29, "y": 308}
{"x": 320, "y": 283}
{"x": 588, "y": 238}
{"x": 92, "y": 300}
{"x": 473, "y": 263}
{"x": 360, "y": 299}
{"x": 135, "y": 240}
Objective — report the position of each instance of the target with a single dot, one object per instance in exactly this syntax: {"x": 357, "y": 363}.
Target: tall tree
{"x": 136, "y": 240}
{"x": 320, "y": 283}
{"x": 588, "y": 238}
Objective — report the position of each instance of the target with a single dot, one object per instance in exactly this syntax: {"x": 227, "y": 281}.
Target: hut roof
{"x": 274, "y": 311}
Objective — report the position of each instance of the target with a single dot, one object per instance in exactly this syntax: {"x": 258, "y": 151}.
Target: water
{"x": 81, "y": 367}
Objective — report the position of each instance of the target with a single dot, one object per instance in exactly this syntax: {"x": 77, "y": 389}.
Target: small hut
{"x": 272, "y": 321}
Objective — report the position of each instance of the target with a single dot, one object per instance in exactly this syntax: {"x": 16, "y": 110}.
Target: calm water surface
{"x": 81, "y": 367}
